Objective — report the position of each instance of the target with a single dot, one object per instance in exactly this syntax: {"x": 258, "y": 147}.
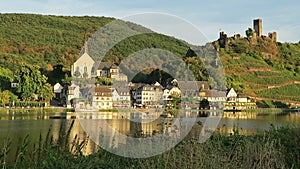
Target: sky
{"x": 209, "y": 17}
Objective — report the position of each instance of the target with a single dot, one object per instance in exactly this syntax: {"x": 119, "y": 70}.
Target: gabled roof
{"x": 135, "y": 86}
{"x": 231, "y": 91}
{"x": 83, "y": 58}
{"x": 157, "y": 84}
{"x": 123, "y": 91}
{"x": 105, "y": 65}
{"x": 214, "y": 93}
{"x": 103, "y": 91}
{"x": 113, "y": 66}
{"x": 193, "y": 85}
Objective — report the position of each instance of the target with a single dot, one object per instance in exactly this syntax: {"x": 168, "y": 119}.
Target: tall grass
{"x": 276, "y": 148}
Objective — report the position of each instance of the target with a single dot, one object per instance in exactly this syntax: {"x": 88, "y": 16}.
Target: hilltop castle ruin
{"x": 256, "y": 33}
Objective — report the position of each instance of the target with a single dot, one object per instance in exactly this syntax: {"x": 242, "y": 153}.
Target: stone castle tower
{"x": 257, "y": 26}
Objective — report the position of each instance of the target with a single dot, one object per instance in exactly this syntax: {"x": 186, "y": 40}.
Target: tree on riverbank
{"x": 32, "y": 85}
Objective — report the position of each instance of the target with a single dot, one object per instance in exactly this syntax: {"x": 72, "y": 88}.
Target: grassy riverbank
{"x": 276, "y": 148}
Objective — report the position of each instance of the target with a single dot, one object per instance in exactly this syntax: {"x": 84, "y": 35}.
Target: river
{"x": 15, "y": 126}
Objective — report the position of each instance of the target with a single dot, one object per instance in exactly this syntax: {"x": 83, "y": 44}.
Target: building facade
{"x": 103, "y": 98}
{"x": 83, "y": 67}
{"x": 109, "y": 70}
{"x": 121, "y": 96}
{"x": 147, "y": 95}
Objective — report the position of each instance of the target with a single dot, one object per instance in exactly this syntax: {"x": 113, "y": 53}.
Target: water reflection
{"x": 31, "y": 114}
{"x": 249, "y": 123}
{"x": 240, "y": 115}
{"x": 131, "y": 129}
{"x": 16, "y": 125}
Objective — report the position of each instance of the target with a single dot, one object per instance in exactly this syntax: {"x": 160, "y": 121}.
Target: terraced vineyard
{"x": 272, "y": 78}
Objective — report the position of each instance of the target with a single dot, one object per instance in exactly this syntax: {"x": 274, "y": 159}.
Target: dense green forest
{"x": 44, "y": 47}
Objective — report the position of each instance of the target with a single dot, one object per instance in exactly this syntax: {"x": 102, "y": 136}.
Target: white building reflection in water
{"x": 112, "y": 131}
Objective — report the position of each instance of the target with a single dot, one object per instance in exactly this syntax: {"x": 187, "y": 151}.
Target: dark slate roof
{"x": 135, "y": 86}
{"x": 123, "y": 91}
{"x": 193, "y": 85}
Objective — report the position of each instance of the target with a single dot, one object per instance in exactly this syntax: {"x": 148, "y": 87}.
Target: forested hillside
{"x": 37, "y": 49}
{"x": 41, "y": 48}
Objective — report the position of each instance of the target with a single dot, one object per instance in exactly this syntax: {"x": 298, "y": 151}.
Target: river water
{"x": 15, "y": 126}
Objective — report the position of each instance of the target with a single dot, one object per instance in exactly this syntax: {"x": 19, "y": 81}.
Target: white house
{"x": 149, "y": 94}
{"x": 57, "y": 90}
{"x": 243, "y": 98}
{"x": 231, "y": 95}
{"x": 213, "y": 95}
{"x": 103, "y": 98}
{"x": 73, "y": 93}
{"x": 121, "y": 97}
{"x": 166, "y": 95}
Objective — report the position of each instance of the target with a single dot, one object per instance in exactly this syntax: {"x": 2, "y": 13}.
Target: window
{"x": 85, "y": 69}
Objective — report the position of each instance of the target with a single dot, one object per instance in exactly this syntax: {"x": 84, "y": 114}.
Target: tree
{"x": 6, "y": 77}
{"x": 190, "y": 53}
{"x": 46, "y": 93}
{"x": 5, "y": 97}
{"x": 204, "y": 104}
{"x": 175, "y": 95}
{"x": 104, "y": 80}
{"x": 30, "y": 81}
{"x": 67, "y": 80}
{"x": 249, "y": 32}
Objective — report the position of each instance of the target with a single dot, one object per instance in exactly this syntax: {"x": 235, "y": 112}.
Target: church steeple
{"x": 86, "y": 47}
